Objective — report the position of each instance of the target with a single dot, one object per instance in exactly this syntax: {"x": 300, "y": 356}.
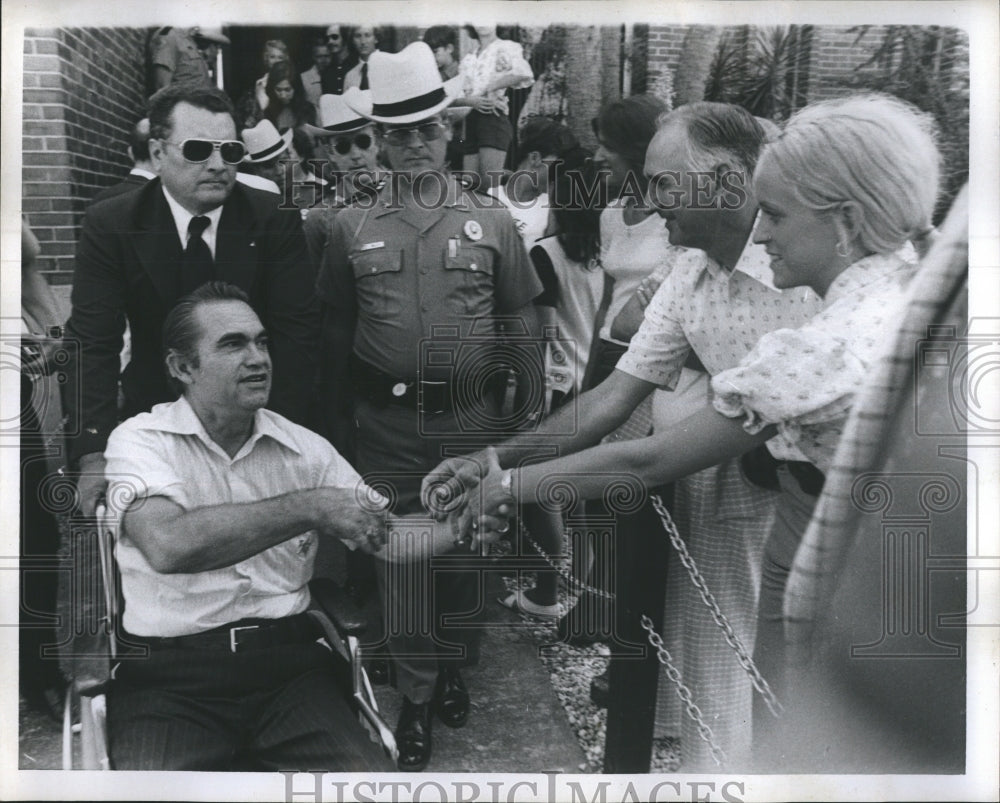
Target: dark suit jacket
{"x": 127, "y": 267}
{"x": 130, "y": 183}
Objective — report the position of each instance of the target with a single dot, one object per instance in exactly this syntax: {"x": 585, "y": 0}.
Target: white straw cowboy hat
{"x": 405, "y": 86}
{"x": 264, "y": 142}
{"x": 337, "y": 117}
{"x": 211, "y": 35}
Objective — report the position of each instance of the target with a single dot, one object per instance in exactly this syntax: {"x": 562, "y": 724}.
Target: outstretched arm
{"x": 704, "y": 439}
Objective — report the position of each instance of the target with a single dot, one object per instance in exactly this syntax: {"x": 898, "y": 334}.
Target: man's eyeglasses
{"x": 232, "y": 151}
{"x": 428, "y": 132}
{"x": 342, "y": 145}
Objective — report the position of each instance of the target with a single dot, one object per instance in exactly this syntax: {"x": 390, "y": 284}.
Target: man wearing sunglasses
{"x": 138, "y": 253}
{"x": 342, "y": 59}
{"x": 427, "y": 261}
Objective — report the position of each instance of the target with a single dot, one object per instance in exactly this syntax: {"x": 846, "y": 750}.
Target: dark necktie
{"x": 364, "y": 75}
{"x": 197, "y": 266}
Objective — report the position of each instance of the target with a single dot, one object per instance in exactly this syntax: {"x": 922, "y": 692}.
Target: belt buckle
{"x": 233, "y": 640}
{"x": 438, "y": 385}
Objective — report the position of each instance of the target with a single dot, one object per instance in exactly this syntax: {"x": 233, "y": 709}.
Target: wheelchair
{"x": 96, "y": 642}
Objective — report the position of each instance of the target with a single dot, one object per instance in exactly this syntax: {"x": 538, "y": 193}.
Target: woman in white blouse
{"x": 487, "y": 74}
{"x": 843, "y": 191}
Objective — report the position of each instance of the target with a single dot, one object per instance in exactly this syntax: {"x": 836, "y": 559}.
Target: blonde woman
{"x": 843, "y": 192}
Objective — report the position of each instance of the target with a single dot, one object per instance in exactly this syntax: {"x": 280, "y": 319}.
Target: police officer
{"x": 411, "y": 279}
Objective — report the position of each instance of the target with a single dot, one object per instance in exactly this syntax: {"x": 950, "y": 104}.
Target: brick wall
{"x": 835, "y": 57}
{"x": 83, "y": 91}
{"x": 663, "y": 46}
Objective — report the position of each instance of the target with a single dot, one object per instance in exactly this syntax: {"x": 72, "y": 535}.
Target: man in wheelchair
{"x": 222, "y": 504}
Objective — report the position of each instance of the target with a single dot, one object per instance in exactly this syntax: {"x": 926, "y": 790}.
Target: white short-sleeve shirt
{"x": 167, "y": 452}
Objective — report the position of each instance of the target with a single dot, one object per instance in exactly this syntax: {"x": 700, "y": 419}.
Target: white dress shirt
{"x": 182, "y": 219}
{"x": 167, "y": 452}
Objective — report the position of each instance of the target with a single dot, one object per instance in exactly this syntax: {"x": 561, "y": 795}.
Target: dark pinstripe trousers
{"x": 209, "y": 709}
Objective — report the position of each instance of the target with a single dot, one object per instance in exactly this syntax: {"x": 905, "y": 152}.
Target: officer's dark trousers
{"x": 431, "y": 607}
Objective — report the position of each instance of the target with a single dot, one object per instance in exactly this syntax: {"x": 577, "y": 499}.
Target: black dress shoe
{"x": 451, "y": 698}
{"x": 413, "y": 736}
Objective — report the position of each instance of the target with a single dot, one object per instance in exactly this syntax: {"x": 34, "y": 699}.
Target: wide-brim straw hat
{"x": 210, "y": 34}
{"x": 337, "y": 117}
{"x": 405, "y": 86}
{"x": 264, "y": 142}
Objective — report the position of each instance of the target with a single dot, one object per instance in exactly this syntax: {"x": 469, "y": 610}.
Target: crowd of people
{"x": 321, "y": 317}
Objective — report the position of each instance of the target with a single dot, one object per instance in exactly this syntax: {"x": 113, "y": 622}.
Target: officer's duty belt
{"x": 383, "y": 389}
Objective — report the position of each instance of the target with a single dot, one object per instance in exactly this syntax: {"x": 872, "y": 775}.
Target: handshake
{"x": 472, "y": 493}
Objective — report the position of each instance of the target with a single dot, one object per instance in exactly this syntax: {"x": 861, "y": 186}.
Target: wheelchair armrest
{"x": 332, "y": 600}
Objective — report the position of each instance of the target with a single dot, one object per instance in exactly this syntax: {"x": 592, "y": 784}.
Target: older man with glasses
{"x": 411, "y": 281}
{"x": 139, "y": 252}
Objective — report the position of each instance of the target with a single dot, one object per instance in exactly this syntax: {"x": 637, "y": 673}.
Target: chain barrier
{"x": 571, "y": 582}
{"x": 663, "y": 655}
{"x": 683, "y": 691}
{"x": 758, "y": 681}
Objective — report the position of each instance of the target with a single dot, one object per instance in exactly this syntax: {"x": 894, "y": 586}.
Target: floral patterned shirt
{"x": 804, "y": 379}
{"x": 499, "y": 57}
{"x": 717, "y": 313}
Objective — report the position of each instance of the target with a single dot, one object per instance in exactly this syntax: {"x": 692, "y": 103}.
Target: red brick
{"x": 58, "y": 249}
{"x": 50, "y": 80}
{"x": 43, "y": 190}
{"x": 41, "y": 63}
{"x": 32, "y": 143}
{"x": 38, "y": 205}
{"x": 54, "y": 219}
{"x": 56, "y": 174}
{"x": 44, "y": 127}
{"x": 31, "y": 112}
{"x": 44, "y": 96}
{"x": 46, "y": 46}
{"x": 40, "y": 158}
{"x": 70, "y": 233}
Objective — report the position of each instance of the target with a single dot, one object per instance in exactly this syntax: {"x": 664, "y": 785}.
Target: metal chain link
{"x": 563, "y": 572}
{"x": 758, "y": 681}
{"x": 745, "y": 661}
{"x": 683, "y": 691}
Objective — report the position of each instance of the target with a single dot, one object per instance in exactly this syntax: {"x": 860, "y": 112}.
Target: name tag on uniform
{"x": 373, "y": 246}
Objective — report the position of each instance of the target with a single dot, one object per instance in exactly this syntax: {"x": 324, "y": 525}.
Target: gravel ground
{"x": 571, "y": 669}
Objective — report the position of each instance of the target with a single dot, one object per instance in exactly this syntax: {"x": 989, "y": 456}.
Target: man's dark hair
{"x": 440, "y": 36}
{"x": 138, "y": 140}
{"x": 546, "y": 136}
{"x": 180, "y": 331}
{"x": 720, "y": 132}
{"x": 161, "y": 105}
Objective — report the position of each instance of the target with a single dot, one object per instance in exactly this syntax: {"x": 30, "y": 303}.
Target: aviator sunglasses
{"x": 428, "y": 132}
{"x": 200, "y": 150}
{"x": 342, "y": 145}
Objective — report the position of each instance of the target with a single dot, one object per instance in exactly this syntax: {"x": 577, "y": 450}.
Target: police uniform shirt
{"x": 403, "y": 273}
{"x": 174, "y": 49}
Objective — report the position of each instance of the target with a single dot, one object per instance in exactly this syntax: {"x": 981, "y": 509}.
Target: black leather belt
{"x": 760, "y": 467}
{"x": 246, "y": 634}
{"x": 382, "y": 389}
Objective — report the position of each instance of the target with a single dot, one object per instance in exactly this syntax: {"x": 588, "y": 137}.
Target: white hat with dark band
{"x": 264, "y": 142}
{"x": 339, "y": 114}
{"x": 405, "y": 86}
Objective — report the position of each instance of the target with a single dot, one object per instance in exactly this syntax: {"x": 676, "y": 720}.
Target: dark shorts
{"x": 487, "y": 131}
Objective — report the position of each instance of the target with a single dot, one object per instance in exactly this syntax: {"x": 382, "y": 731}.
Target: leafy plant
{"x": 928, "y": 67}
{"x": 765, "y": 70}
